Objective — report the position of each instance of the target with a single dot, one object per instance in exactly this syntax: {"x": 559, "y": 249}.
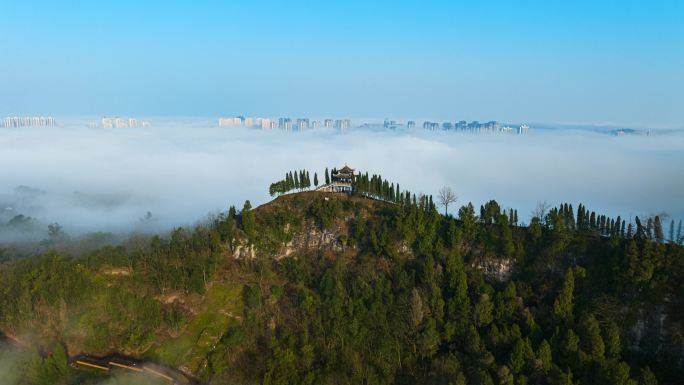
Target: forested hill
{"x": 320, "y": 288}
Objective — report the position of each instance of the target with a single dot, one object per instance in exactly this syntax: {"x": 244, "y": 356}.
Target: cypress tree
{"x": 315, "y": 180}
{"x": 658, "y": 230}
{"x": 580, "y": 217}
{"x": 639, "y": 228}
{"x": 571, "y": 217}
{"x": 327, "y": 176}
{"x": 290, "y": 181}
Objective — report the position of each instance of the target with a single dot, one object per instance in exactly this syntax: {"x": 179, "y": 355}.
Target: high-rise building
{"x": 249, "y": 122}
{"x": 342, "y": 124}
{"x": 236, "y": 121}
{"x": 328, "y": 123}
{"x": 132, "y": 122}
{"x": 316, "y": 124}
{"x": 523, "y": 129}
{"x": 107, "y": 123}
{"x": 302, "y": 123}
{"x": 410, "y": 124}
{"x": 285, "y": 123}
{"x": 29, "y": 121}
{"x": 430, "y": 125}
{"x": 265, "y": 123}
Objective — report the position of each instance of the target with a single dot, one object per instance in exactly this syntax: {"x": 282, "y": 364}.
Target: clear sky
{"x": 539, "y": 61}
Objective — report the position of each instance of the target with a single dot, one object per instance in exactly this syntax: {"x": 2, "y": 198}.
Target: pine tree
{"x": 544, "y": 355}
{"x": 248, "y": 221}
{"x": 591, "y": 341}
{"x": 611, "y": 338}
{"x": 296, "y": 181}
{"x": 672, "y": 231}
{"x": 563, "y": 305}
{"x": 458, "y": 302}
{"x": 647, "y": 377}
{"x": 482, "y": 313}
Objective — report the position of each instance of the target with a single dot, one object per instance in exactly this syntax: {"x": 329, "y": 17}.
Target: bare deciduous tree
{"x": 540, "y": 210}
{"x": 446, "y": 197}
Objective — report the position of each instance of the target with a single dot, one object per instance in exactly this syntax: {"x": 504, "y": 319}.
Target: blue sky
{"x": 616, "y": 62}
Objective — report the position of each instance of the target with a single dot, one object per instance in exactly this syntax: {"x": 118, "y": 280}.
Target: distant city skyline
{"x": 582, "y": 62}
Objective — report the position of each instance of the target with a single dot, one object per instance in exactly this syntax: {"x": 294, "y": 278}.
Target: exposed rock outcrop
{"x": 495, "y": 269}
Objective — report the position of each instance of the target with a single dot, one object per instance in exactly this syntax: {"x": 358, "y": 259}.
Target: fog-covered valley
{"x": 177, "y": 171}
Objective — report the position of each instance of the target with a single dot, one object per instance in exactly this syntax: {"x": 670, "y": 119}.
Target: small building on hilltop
{"x": 341, "y": 180}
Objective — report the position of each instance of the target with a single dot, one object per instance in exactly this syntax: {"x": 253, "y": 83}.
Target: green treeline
{"x": 399, "y": 295}
{"x": 294, "y": 180}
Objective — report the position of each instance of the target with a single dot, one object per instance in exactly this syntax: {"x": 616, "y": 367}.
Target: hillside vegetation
{"x": 318, "y": 288}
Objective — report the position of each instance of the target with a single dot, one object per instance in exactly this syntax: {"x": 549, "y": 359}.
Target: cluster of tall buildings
{"x": 473, "y": 127}
{"x": 117, "y": 122}
{"x": 284, "y": 123}
{"x": 460, "y": 126}
{"x": 29, "y": 121}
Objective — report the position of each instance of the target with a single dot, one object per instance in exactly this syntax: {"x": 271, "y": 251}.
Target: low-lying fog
{"x": 93, "y": 179}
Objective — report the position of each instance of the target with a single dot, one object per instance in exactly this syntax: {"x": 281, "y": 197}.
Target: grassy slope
{"x": 222, "y": 306}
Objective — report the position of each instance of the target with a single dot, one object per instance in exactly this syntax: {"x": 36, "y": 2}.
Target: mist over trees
{"x": 400, "y": 296}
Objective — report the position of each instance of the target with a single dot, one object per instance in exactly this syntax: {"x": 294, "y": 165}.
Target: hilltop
{"x": 317, "y": 287}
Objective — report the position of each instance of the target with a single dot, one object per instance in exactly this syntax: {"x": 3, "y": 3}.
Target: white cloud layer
{"x": 107, "y": 179}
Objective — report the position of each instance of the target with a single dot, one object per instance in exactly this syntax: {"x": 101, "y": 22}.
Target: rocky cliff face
{"x": 313, "y": 238}
{"x": 652, "y": 335}
{"x": 309, "y": 238}
{"x": 495, "y": 269}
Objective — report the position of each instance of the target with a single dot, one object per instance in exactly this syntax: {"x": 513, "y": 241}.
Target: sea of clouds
{"x": 181, "y": 170}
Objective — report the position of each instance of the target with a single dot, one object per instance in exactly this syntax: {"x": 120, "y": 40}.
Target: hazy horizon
{"x": 535, "y": 61}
